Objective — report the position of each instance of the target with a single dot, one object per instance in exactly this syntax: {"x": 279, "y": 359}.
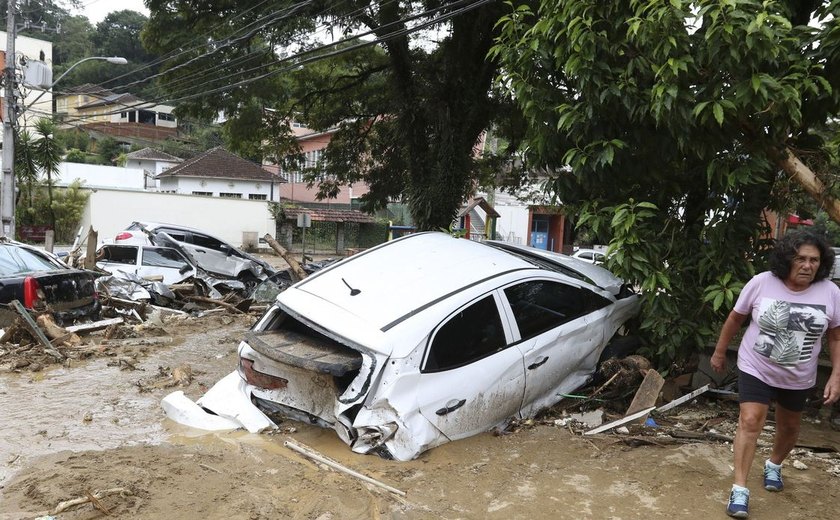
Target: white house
{"x": 219, "y": 173}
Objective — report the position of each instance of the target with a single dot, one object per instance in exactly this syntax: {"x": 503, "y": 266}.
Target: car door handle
{"x": 200, "y": 251}
{"x": 451, "y": 407}
{"x": 538, "y": 364}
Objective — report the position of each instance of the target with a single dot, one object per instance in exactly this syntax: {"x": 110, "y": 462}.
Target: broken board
{"x": 647, "y": 394}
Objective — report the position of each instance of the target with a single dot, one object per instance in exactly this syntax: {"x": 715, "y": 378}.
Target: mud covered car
{"x": 43, "y": 283}
{"x": 429, "y": 339}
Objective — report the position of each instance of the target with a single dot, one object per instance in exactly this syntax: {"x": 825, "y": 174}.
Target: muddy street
{"x": 96, "y": 427}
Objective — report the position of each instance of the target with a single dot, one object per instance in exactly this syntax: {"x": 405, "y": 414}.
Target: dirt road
{"x": 97, "y": 426}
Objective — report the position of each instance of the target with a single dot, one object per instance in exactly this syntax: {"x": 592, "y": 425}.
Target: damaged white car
{"x": 429, "y": 339}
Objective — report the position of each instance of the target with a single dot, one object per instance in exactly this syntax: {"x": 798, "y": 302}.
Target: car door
{"x": 470, "y": 379}
{"x": 558, "y": 337}
{"x": 164, "y": 262}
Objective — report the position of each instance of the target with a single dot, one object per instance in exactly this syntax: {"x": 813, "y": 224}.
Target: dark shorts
{"x": 753, "y": 390}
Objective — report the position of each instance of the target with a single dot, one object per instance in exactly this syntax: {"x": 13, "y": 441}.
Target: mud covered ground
{"x": 95, "y": 426}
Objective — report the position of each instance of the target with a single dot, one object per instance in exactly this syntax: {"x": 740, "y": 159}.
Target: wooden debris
{"x": 681, "y": 400}
{"x": 36, "y": 331}
{"x": 296, "y": 270}
{"x": 96, "y": 495}
{"x": 647, "y": 394}
{"x": 55, "y": 332}
{"x": 97, "y": 503}
{"x": 619, "y": 422}
{"x": 220, "y": 303}
{"x": 309, "y": 452}
{"x": 96, "y": 325}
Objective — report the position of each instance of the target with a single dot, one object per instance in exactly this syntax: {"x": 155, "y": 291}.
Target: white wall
{"x": 187, "y": 185}
{"x": 110, "y": 211}
{"x": 98, "y": 176}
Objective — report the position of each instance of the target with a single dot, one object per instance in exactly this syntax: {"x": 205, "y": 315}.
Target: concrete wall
{"x": 98, "y": 176}
{"x": 110, "y": 211}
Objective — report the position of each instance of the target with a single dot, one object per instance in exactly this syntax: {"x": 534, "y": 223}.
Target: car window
{"x": 208, "y": 242}
{"x": 540, "y": 305}
{"x": 163, "y": 257}
{"x": 585, "y": 256}
{"x": 18, "y": 260}
{"x": 472, "y": 333}
{"x": 118, "y": 254}
{"x": 176, "y": 234}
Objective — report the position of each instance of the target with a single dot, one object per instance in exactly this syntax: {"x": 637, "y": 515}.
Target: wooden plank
{"x": 96, "y": 325}
{"x": 647, "y": 394}
{"x": 33, "y": 327}
{"x": 681, "y": 400}
{"x": 619, "y": 422}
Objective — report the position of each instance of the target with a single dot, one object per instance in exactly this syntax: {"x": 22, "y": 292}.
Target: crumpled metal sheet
{"x": 124, "y": 285}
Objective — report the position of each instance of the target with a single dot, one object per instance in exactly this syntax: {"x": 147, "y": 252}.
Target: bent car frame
{"x": 429, "y": 339}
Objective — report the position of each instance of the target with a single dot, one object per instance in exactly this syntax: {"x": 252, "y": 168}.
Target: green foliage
{"x": 67, "y": 206}
{"x": 659, "y": 123}
{"x": 74, "y": 155}
{"x": 108, "y": 149}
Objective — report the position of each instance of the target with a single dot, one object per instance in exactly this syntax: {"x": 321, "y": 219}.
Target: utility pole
{"x": 7, "y": 188}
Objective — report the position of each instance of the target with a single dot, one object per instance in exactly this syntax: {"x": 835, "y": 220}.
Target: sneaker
{"x": 739, "y": 503}
{"x": 773, "y": 478}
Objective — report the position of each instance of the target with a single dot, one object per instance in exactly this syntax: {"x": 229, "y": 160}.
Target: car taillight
{"x": 30, "y": 292}
{"x": 125, "y": 235}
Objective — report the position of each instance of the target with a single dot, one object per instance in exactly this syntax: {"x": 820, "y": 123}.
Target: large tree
{"x": 673, "y": 124}
{"x": 410, "y": 106}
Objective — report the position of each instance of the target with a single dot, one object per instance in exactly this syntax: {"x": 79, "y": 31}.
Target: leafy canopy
{"x": 666, "y": 125}
{"x": 407, "y": 109}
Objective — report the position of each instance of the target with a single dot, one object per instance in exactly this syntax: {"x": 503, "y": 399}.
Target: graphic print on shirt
{"x": 789, "y": 331}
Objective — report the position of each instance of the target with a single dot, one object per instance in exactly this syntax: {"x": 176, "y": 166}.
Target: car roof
{"x": 155, "y": 225}
{"x": 406, "y": 275}
{"x": 590, "y": 273}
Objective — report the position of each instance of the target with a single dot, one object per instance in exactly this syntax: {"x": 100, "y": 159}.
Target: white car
{"x": 150, "y": 262}
{"x": 591, "y": 256}
{"x": 429, "y": 339}
{"x": 208, "y": 252}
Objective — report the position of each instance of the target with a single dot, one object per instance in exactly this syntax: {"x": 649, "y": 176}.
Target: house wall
{"x": 155, "y": 167}
{"x": 110, "y": 211}
{"x": 96, "y": 176}
{"x": 188, "y": 185}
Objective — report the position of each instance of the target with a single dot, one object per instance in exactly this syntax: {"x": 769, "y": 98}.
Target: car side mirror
{"x": 185, "y": 269}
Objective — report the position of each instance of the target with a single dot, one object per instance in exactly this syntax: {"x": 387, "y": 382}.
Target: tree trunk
{"x": 799, "y": 172}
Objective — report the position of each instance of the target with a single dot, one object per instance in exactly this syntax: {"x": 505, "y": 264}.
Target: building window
{"x": 231, "y": 195}
{"x": 205, "y": 193}
{"x": 123, "y": 115}
{"x": 257, "y": 196}
{"x": 163, "y": 116}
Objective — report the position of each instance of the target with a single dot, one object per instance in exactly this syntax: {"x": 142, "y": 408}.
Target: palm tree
{"x": 26, "y": 171}
{"x": 47, "y": 155}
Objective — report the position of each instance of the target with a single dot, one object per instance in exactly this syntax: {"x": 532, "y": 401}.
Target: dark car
{"x": 42, "y": 283}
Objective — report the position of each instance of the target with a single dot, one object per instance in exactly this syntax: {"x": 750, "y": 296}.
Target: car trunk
{"x": 304, "y": 371}
{"x": 68, "y": 294}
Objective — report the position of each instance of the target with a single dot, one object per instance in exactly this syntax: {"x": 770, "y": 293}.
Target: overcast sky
{"x": 97, "y": 10}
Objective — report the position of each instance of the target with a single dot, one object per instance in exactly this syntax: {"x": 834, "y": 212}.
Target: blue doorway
{"x": 539, "y": 231}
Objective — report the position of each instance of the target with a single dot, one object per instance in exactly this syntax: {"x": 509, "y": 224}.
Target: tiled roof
{"x": 330, "y": 215}
{"x": 150, "y": 154}
{"x": 218, "y": 163}
{"x": 89, "y": 88}
{"x": 115, "y": 99}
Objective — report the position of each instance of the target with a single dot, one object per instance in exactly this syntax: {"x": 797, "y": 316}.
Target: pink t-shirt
{"x": 784, "y": 337}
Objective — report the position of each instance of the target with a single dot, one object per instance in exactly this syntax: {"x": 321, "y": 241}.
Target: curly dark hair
{"x": 786, "y": 248}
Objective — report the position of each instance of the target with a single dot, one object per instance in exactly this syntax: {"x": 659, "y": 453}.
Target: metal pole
{"x": 7, "y": 188}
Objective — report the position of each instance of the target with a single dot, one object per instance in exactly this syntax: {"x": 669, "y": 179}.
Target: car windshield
{"x": 18, "y": 260}
{"x": 544, "y": 263}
